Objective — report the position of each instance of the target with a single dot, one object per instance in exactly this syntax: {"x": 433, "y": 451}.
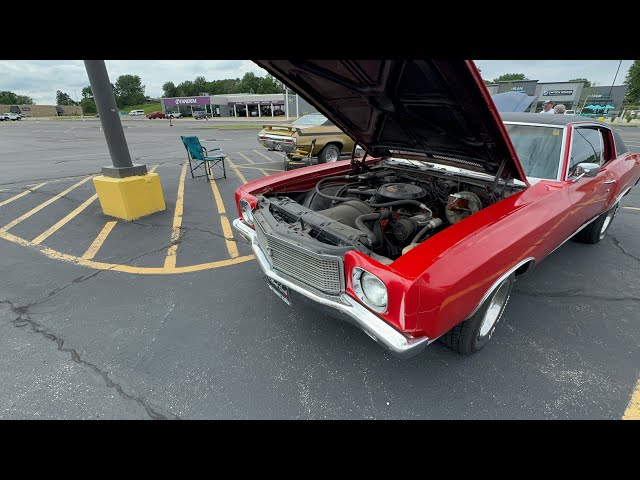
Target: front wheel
{"x": 474, "y": 333}
{"x": 598, "y": 228}
{"x": 329, "y": 154}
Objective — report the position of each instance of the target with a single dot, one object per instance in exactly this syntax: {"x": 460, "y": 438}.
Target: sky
{"x": 40, "y": 79}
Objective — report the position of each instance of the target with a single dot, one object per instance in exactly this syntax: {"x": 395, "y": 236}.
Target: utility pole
{"x": 111, "y": 123}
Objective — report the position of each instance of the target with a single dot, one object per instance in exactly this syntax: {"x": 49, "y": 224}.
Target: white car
{"x": 134, "y": 113}
{"x": 173, "y": 115}
{"x": 11, "y": 116}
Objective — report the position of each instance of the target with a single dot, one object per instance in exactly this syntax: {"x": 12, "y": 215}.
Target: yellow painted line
{"x": 43, "y": 205}
{"x": 153, "y": 169}
{"x": 226, "y": 227}
{"x": 55, "y": 255}
{"x": 97, "y": 243}
{"x": 245, "y": 157}
{"x": 170, "y": 260}
{"x": 263, "y": 172}
{"x": 235, "y": 169}
{"x": 633, "y": 410}
{"x": 268, "y": 158}
{"x": 628, "y": 208}
{"x": 258, "y": 168}
{"x": 20, "y": 195}
{"x": 55, "y": 227}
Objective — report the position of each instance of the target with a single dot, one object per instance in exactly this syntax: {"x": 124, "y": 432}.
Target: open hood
{"x": 437, "y": 108}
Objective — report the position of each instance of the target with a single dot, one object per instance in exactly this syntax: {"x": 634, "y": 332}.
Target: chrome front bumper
{"x": 275, "y": 142}
{"x": 349, "y": 309}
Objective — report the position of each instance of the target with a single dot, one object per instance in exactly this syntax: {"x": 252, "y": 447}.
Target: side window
{"x": 587, "y": 146}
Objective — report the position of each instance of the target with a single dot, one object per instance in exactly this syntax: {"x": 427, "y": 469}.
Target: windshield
{"x": 538, "y": 149}
{"x": 311, "y": 120}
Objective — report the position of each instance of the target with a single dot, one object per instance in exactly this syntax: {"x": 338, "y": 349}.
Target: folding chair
{"x": 203, "y": 157}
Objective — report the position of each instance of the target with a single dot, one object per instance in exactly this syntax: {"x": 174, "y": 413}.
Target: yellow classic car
{"x": 296, "y": 139}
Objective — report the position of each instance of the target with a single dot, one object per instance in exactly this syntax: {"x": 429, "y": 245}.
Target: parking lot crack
{"x": 617, "y": 243}
{"x": 182, "y": 228}
{"x": 24, "y": 319}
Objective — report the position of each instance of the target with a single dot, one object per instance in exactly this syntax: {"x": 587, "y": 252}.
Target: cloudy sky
{"x": 40, "y": 79}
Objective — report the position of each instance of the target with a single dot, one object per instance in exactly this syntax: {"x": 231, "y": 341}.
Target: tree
{"x": 269, "y": 84}
{"x": 587, "y": 83}
{"x": 169, "y": 90}
{"x": 129, "y": 90}
{"x": 510, "y": 77}
{"x": 88, "y": 105}
{"x": 200, "y": 85}
{"x": 64, "y": 99}
{"x": 633, "y": 80}
{"x": 87, "y": 92}
{"x": 185, "y": 89}
{"x": 10, "y": 98}
{"x": 250, "y": 83}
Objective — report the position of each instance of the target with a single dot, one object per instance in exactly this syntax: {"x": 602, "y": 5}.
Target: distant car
{"x": 12, "y": 116}
{"x": 295, "y": 139}
{"x": 200, "y": 114}
{"x": 156, "y": 115}
{"x": 3, "y": 117}
{"x": 135, "y": 113}
{"x": 173, "y": 115}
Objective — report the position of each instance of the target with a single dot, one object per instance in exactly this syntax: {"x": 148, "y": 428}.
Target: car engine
{"x": 383, "y": 212}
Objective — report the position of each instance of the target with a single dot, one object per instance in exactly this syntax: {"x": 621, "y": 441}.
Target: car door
{"x": 589, "y": 195}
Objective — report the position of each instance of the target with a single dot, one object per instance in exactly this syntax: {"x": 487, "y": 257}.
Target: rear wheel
{"x": 598, "y": 228}
{"x": 329, "y": 154}
{"x": 474, "y": 333}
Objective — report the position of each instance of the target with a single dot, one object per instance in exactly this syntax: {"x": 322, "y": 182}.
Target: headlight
{"x": 370, "y": 289}
{"x": 245, "y": 208}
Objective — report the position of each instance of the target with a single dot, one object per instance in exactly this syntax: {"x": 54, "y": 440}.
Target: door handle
{"x": 609, "y": 182}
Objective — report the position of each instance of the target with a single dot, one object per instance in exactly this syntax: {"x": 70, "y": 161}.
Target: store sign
{"x": 26, "y": 109}
{"x": 186, "y": 101}
{"x": 600, "y": 96}
{"x": 517, "y": 89}
{"x": 550, "y": 93}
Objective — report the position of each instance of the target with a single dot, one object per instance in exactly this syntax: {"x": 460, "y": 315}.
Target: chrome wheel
{"x": 492, "y": 315}
{"x": 332, "y": 156}
{"x": 607, "y": 221}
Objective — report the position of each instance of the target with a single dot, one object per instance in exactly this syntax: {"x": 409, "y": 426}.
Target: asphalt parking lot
{"x": 170, "y": 316}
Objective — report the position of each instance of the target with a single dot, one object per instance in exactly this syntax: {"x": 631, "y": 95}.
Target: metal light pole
{"x": 286, "y": 101}
{"x": 111, "y": 124}
{"x": 613, "y": 83}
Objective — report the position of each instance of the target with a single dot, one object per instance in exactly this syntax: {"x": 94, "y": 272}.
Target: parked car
{"x": 199, "y": 114}
{"x": 136, "y": 113}
{"x": 295, "y": 139}
{"x": 424, "y": 237}
{"x": 153, "y": 115}
{"x": 12, "y": 116}
{"x": 3, "y": 117}
{"x": 173, "y": 115}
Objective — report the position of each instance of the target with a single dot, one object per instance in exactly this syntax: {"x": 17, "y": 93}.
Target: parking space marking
{"x": 235, "y": 169}
{"x": 116, "y": 267}
{"x": 226, "y": 226}
{"x": 44, "y": 204}
{"x": 268, "y": 158}
{"x": 632, "y": 208}
{"x": 97, "y": 243}
{"x": 258, "y": 168}
{"x": 263, "y": 172}
{"x": 170, "y": 260}
{"x": 245, "y": 157}
{"x": 633, "y": 410}
{"x": 20, "y": 195}
{"x": 61, "y": 223}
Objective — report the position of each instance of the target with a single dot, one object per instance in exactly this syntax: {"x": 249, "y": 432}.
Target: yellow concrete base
{"x": 131, "y": 197}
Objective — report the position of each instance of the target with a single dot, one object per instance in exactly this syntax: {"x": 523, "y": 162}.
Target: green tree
{"x": 169, "y": 90}
{"x": 200, "y": 85}
{"x": 250, "y": 83}
{"x": 185, "y": 89}
{"x": 10, "y": 98}
{"x": 87, "y": 92}
{"x": 88, "y": 105}
{"x": 129, "y": 90}
{"x": 633, "y": 80}
{"x": 269, "y": 84}
{"x": 510, "y": 77}
{"x": 587, "y": 83}
{"x": 64, "y": 99}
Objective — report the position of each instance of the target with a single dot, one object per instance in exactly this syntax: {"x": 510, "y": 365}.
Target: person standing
{"x": 547, "y": 107}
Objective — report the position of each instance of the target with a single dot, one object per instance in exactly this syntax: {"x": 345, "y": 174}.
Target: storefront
{"x": 187, "y": 105}
{"x": 565, "y": 93}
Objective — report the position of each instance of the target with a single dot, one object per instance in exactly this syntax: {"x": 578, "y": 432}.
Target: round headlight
{"x": 245, "y": 208}
{"x": 374, "y": 289}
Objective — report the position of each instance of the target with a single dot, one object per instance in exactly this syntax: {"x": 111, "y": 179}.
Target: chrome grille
{"x": 319, "y": 271}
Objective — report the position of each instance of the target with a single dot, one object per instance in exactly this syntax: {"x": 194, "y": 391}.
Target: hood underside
{"x": 436, "y": 108}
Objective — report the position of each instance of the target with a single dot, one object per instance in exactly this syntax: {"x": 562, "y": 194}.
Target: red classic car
{"x": 424, "y": 237}
{"x": 153, "y": 115}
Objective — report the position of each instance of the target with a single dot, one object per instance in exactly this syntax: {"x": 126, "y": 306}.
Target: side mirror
{"x": 588, "y": 170}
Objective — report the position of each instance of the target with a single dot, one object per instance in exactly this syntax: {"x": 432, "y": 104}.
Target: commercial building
{"x": 42, "y": 110}
{"x": 572, "y": 95}
{"x": 240, "y": 105}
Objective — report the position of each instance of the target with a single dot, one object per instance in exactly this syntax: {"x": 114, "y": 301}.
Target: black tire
{"x": 471, "y": 335}
{"x": 330, "y": 153}
{"x": 598, "y": 228}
